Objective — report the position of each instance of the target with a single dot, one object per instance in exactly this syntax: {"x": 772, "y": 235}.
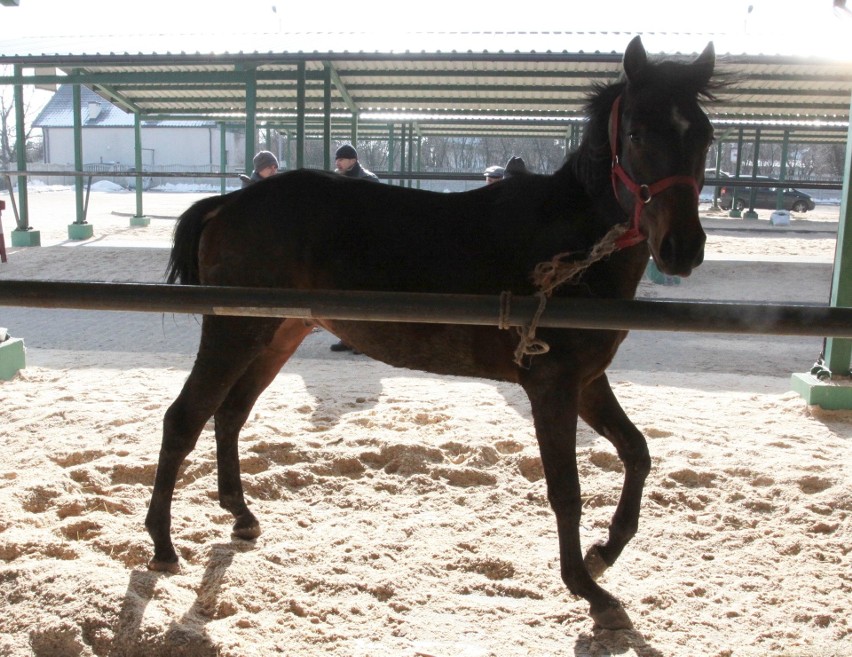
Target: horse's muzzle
{"x": 678, "y": 255}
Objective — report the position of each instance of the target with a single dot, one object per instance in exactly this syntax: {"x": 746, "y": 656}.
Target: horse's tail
{"x": 183, "y": 260}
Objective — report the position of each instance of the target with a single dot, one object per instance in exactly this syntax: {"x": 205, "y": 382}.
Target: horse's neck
{"x": 589, "y": 178}
{"x": 617, "y": 274}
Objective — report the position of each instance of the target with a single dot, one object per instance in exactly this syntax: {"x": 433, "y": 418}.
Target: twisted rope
{"x": 550, "y": 275}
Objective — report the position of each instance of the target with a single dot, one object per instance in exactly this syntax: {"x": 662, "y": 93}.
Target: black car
{"x": 766, "y": 195}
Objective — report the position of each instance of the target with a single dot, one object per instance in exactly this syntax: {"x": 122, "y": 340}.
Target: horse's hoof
{"x": 594, "y": 562}
{"x": 247, "y": 530}
{"x": 161, "y": 566}
{"x": 613, "y": 617}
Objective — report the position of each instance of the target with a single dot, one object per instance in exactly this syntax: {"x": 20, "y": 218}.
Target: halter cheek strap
{"x": 642, "y": 194}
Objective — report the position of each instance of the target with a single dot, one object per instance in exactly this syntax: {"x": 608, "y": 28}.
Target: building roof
{"x": 95, "y": 112}
{"x": 465, "y": 83}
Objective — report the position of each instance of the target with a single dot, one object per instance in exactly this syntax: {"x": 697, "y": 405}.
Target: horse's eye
{"x": 635, "y": 137}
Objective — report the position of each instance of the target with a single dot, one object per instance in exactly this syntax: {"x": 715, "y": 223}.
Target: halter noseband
{"x": 643, "y": 194}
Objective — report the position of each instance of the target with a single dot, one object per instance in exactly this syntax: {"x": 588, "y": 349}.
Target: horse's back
{"x": 311, "y": 229}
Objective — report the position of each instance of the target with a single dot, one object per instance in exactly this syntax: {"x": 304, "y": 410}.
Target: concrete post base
{"x": 140, "y": 221}
{"x": 80, "y": 231}
{"x": 832, "y": 395}
{"x": 12, "y": 358}
{"x": 26, "y": 238}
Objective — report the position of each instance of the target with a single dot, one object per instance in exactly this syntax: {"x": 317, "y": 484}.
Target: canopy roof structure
{"x": 464, "y": 83}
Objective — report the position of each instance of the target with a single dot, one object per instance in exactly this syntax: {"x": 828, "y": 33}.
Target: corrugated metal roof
{"x": 442, "y": 83}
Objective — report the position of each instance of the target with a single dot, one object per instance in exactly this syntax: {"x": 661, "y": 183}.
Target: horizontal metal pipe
{"x": 612, "y": 314}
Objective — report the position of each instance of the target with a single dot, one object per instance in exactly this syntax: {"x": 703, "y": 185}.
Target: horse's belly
{"x": 479, "y": 351}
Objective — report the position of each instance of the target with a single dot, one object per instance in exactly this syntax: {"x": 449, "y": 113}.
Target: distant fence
{"x": 124, "y": 176}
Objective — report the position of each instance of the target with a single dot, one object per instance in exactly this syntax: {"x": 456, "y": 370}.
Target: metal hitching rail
{"x": 613, "y": 314}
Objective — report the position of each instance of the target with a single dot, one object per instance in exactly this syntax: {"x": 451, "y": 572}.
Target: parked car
{"x": 766, "y": 196}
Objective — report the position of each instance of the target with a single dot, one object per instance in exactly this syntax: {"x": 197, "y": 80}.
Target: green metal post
{"x": 391, "y": 154}
{"x": 21, "y": 151}
{"x": 79, "y": 230}
{"x": 750, "y": 213}
{"x": 734, "y": 213}
{"x": 23, "y": 235}
{"x": 838, "y": 352}
{"x": 419, "y": 159}
{"x": 354, "y": 134}
{"x": 300, "y": 115}
{"x": 326, "y": 117}
{"x": 718, "y": 168}
{"x": 223, "y": 156}
{"x": 782, "y": 176}
{"x": 837, "y": 355}
{"x": 402, "y": 153}
{"x": 251, "y": 121}
{"x": 139, "y": 219}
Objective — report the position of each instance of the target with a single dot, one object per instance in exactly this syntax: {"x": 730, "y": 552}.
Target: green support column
{"x": 419, "y": 158}
{"x": 785, "y": 148}
{"x": 836, "y": 393}
{"x": 80, "y": 229}
{"x": 734, "y": 213}
{"x": 23, "y": 235}
{"x": 223, "y": 157}
{"x": 391, "y": 154}
{"x": 300, "y": 115}
{"x": 402, "y": 143}
{"x": 750, "y": 213}
{"x": 251, "y": 122}
{"x": 139, "y": 219}
{"x": 326, "y": 117}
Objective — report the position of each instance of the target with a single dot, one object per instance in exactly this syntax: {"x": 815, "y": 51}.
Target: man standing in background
{"x": 346, "y": 164}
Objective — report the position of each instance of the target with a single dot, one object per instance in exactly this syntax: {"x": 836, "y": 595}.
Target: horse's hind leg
{"x": 554, "y": 404}
{"x": 228, "y": 346}
{"x": 601, "y": 410}
{"x": 232, "y": 414}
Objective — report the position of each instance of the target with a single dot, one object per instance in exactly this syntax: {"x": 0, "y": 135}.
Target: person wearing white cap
{"x": 493, "y": 174}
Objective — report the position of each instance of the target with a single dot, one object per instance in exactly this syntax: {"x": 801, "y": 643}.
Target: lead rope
{"x": 548, "y": 276}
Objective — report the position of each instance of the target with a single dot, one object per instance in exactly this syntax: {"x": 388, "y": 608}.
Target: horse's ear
{"x": 635, "y": 59}
{"x": 706, "y": 62}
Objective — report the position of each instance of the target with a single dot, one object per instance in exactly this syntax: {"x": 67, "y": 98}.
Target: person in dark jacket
{"x": 346, "y": 163}
{"x": 515, "y": 167}
{"x": 265, "y": 165}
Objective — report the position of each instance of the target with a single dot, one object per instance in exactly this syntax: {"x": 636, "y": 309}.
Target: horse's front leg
{"x": 601, "y": 410}
{"x": 233, "y": 413}
{"x": 554, "y": 408}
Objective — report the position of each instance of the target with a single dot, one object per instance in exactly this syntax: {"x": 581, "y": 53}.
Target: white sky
{"x": 802, "y": 20}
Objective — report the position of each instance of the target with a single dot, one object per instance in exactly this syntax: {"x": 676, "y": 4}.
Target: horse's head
{"x": 659, "y": 138}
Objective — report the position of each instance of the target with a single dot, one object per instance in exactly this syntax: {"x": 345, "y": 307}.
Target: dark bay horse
{"x": 633, "y": 182}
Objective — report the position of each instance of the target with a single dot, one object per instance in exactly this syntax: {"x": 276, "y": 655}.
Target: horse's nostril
{"x": 668, "y": 250}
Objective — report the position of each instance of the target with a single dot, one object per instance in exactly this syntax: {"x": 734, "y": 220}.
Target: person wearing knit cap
{"x": 346, "y": 163}
{"x": 515, "y": 167}
{"x": 265, "y": 165}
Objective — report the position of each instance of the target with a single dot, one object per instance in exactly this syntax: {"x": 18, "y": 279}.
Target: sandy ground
{"x": 404, "y": 513}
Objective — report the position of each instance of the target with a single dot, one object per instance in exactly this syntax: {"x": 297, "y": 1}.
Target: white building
{"x": 108, "y": 138}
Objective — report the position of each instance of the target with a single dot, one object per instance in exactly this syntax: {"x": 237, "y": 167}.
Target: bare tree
{"x": 8, "y": 124}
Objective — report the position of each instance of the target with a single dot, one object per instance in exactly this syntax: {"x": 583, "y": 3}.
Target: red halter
{"x": 642, "y": 193}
